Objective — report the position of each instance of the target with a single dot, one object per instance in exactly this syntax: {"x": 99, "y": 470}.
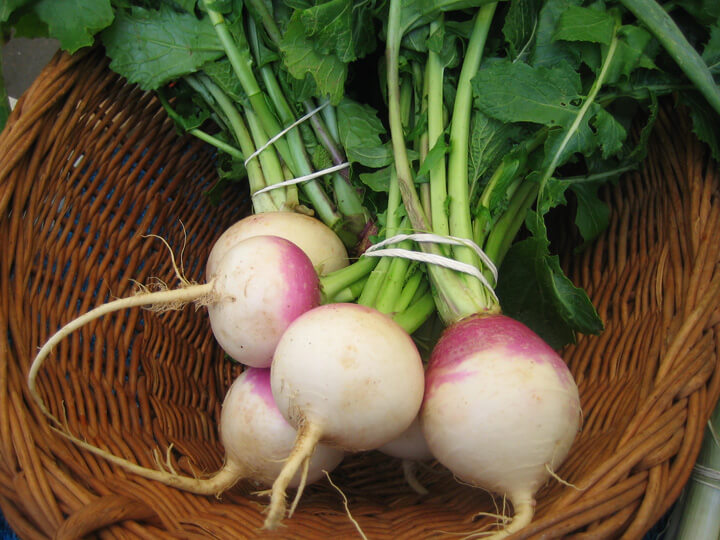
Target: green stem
{"x": 414, "y": 284}
{"x": 267, "y": 20}
{"x": 217, "y": 143}
{"x": 458, "y": 185}
{"x": 402, "y": 163}
{"x": 413, "y": 317}
{"x": 506, "y": 228}
{"x": 331, "y": 284}
{"x": 394, "y": 282}
{"x": 271, "y": 166}
{"x": 349, "y": 293}
{"x": 453, "y": 298}
{"x": 436, "y": 127}
{"x": 372, "y": 288}
{"x": 256, "y": 177}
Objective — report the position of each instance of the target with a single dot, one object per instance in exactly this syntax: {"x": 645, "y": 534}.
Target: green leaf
{"x": 520, "y": 25}
{"x": 593, "y": 214}
{"x": 610, "y": 133}
{"x": 547, "y": 51}
{"x": 518, "y": 92}
{"x": 489, "y": 141}
{"x": 378, "y": 181}
{"x": 360, "y": 131}
{"x": 152, "y": 47}
{"x": 433, "y": 157}
{"x": 711, "y": 52}
{"x": 418, "y": 12}
{"x": 75, "y": 22}
{"x": 28, "y": 25}
{"x": 585, "y": 24}
{"x": 8, "y": 7}
{"x": 341, "y": 28}
{"x": 223, "y": 74}
{"x": 303, "y": 57}
{"x": 184, "y": 106}
{"x": 635, "y": 50}
{"x": 704, "y": 122}
{"x": 534, "y": 289}
{"x": 705, "y": 11}
{"x": 523, "y": 297}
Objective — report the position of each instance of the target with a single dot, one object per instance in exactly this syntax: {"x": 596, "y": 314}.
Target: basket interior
{"x": 91, "y": 178}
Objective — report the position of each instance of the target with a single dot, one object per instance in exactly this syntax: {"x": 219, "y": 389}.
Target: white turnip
{"x": 317, "y": 240}
{"x": 501, "y": 409}
{"x": 260, "y": 286}
{"x": 345, "y": 375}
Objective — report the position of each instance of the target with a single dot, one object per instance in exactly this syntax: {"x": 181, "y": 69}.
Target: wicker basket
{"x": 90, "y": 165}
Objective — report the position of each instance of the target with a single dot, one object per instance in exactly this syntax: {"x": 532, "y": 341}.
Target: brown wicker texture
{"x": 89, "y": 166}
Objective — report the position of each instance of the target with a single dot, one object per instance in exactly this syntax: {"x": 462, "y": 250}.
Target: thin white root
{"x": 524, "y": 512}
{"x": 216, "y": 484}
{"x": 179, "y": 270}
{"x": 347, "y": 508}
{"x": 301, "y": 487}
{"x": 186, "y": 294}
{"x": 409, "y": 468}
{"x": 560, "y": 480}
{"x": 307, "y": 439}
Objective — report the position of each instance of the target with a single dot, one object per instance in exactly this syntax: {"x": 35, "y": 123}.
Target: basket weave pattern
{"x": 90, "y": 166}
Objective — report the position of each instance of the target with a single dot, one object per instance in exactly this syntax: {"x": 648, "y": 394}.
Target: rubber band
{"x": 284, "y": 131}
{"x": 437, "y": 239}
{"x": 378, "y": 250}
{"x": 706, "y": 476}
{"x": 304, "y": 178}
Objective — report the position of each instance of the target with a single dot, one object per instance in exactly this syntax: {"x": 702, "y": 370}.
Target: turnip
{"x": 345, "y": 375}
{"x": 501, "y": 409}
{"x": 256, "y": 439}
{"x": 316, "y": 239}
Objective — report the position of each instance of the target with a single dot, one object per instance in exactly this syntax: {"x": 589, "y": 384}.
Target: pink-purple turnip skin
{"x": 501, "y": 408}
{"x": 260, "y": 286}
{"x": 257, "y": 438}
{"x": 317, "y": 240}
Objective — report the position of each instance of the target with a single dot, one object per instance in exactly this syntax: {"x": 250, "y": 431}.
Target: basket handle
{"x": 102, "y": 512}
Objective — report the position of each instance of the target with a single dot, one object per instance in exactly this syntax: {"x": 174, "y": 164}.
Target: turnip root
{"x": 501, "y": 409}
{"x": 258, "y": 288}
{"x": 348, "y": 376}
{"x": 317, "y": 240}
{"x": 410, "y": 446}
{"x": 256, "y": 439}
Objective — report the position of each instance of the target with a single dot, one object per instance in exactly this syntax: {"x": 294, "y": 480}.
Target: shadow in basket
{"x": 88, "y": 165}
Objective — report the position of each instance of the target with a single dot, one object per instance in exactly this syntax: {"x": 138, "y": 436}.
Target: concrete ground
{"x": 22, "y": 60}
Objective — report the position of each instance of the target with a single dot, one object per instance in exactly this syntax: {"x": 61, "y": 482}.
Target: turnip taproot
{"x": 258, "y": 288}
{"x": 348, "y": 376}
{"x": 317, "y": 240}
{"x": 256, "y": 439}
{"x": 411, "y": 447}
{"x": 501, "y": 409}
